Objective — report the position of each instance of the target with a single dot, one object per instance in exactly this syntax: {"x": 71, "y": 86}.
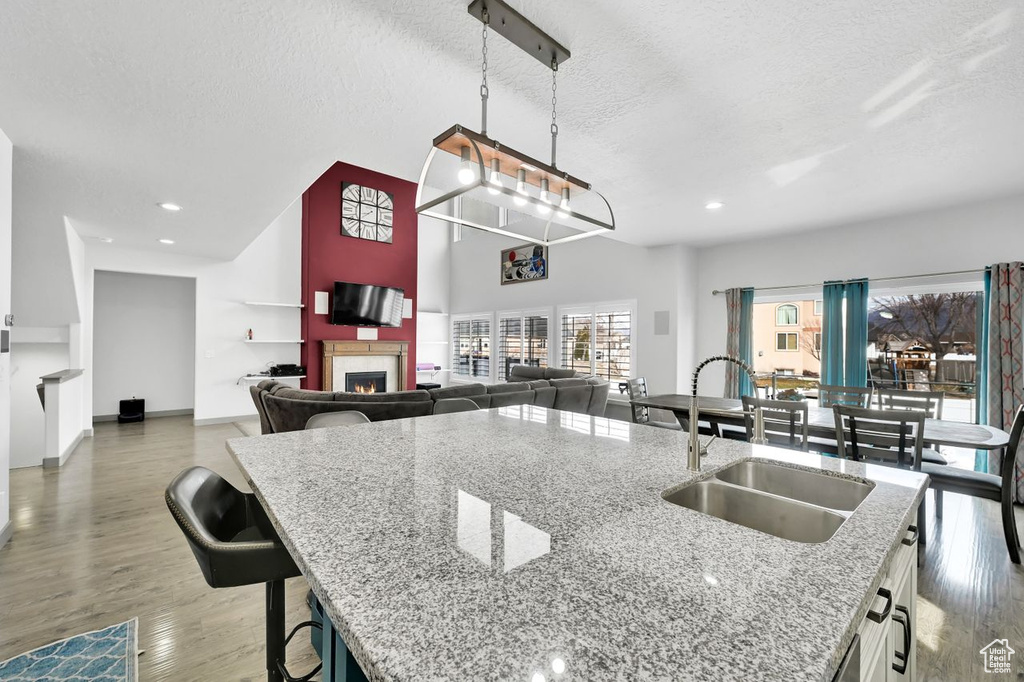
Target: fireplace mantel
{"x": 334, "y": 349}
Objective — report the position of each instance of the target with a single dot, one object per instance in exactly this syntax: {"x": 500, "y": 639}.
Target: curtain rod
{"x": 716, "y": 292}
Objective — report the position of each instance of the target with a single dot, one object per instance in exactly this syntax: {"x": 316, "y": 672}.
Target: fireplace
{"x": 366, "y": 382}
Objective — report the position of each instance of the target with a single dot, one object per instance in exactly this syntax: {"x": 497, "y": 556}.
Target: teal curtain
{"x": 981, "y": 370}
{"x": 832, "y": 334}
{"x": 857, "y": 333}
{"x": 746, "y": 338}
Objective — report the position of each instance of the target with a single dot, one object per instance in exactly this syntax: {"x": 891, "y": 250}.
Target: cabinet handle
{"x": 900, "y": 665}
{"x": 880, "y": 617}
{"x": 912, "y": 540}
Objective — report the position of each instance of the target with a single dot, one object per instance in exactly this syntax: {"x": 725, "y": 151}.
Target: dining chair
{"x": 326, "y": 420}
{"x": 641, "y": 414}
{"x": 929, "y": 402}
{"x": 843, "y": 395}
{"x": 785, "y": 421}
{"x": 986, "y": 486}
{"x": 887, "y": 437}
{"x": 452, "y": 405}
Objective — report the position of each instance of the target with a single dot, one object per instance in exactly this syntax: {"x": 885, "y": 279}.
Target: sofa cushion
{"x": 507, "y": 398}
{"x": 291, "y": 393}
{"x": 458, "y": 391}
{"x": 573, "y": 398}
{"x": 483, "y": 401}
{"x": 514, "y": 387}
{"x": 525, "y": 372}
{"x": 539, "y": 383}
{"x": 567, "y": 382}
{"x": 544, "y": 396}
{"x": 558, "y": 373}
{"x": 390, "y": 397}
{"x": 289, "y": 414}
{"x": 257, "y": 397}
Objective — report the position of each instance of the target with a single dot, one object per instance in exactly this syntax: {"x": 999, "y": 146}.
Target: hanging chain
{"x": 484, "y": 92}
{"x": 554, "y": 103}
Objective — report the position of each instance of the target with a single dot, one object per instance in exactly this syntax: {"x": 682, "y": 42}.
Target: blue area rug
{"x": 107, "y": 655}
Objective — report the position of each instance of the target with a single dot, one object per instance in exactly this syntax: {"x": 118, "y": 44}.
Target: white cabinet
{"x": 888, "y": 635}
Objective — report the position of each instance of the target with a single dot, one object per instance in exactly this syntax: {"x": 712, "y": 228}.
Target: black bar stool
{"x": 235, "y": 544}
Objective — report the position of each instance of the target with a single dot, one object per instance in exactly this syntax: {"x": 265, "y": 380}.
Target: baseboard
{"x": 222, "y": 420}
{"x": 149, "y": 415}
{"x": 6, "y": 532}
{"x": 88, "y": 433}
{"x": 54, "y": 462}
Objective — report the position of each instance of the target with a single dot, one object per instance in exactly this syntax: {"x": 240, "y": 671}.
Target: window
{"x": 787, "y": 315}
{"x": 817, "y": 342}
{"x": 471, "y": 347}
{"x": 817, "y": 308}
{"x": 599, "y": 341}
{"x": 522, "y": 340}
{"x": 786, "y": 341}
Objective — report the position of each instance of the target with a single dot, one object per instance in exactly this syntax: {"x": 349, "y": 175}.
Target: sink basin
{"x": 832, "y": 492}
{"x": 778, "y": 516}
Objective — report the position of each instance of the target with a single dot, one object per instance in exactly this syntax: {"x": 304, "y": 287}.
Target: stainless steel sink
{"x": 771, "y": 514}
{"x": 832, "y": 492}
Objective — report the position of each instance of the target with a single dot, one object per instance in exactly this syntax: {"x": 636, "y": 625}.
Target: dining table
{"x": 821, "y": 421}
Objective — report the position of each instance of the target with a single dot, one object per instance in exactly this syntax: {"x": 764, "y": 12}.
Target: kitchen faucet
{"x": 694, "y": 448}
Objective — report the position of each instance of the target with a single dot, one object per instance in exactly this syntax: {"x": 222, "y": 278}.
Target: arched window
{"x": 787, "y": 315}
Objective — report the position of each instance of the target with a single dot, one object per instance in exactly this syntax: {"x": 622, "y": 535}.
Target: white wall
{"x": 433, "y": 263}
{"x": 29, "y": 361}
{"x": 6, "y": 185}
{"x": 591, "y": 271}
{"x": 268, "y": 270}
{"x": 962, "y": 238}
{"x": 144, "y": 330}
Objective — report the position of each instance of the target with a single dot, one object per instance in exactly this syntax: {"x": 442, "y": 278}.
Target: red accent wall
{"x": 328, "y": 257}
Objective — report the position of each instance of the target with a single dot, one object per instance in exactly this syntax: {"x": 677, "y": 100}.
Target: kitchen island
{"x": 527, "y": 544}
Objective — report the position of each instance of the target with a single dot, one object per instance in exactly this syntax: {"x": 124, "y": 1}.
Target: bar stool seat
{"x": 235, "y": 544}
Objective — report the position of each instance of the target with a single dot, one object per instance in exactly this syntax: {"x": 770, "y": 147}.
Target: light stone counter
{"x": 486, "y": 545}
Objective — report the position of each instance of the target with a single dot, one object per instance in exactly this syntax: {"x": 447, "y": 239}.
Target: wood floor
{"x": 94, "y": 545}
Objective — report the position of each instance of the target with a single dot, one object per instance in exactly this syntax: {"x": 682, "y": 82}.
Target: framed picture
{"x": 526, "y": 263}
{"x": 367, "y": 213}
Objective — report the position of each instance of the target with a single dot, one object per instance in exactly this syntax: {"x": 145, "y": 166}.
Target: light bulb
{"x": 495, "y": 178}
{"x": 466, "y": 174}
{"x": 563, "y": 205}
{"x": 544, "y": 207}
{"x": 520, "y": 198}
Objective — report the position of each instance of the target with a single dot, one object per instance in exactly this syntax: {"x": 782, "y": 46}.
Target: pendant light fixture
{"x": 463, "y": 180}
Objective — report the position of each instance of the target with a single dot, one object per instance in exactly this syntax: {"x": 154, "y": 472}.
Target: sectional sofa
{"x": 284, "y": 408}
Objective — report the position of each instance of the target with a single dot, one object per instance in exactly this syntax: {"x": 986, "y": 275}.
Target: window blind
{"x": 577, "y": 341}
{"x": 612, "y": 345}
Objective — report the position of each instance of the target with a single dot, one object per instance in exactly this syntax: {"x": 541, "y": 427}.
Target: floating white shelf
{"x": 274, "y": 340}
{"x": 432, "y": 371}
{"x": 255, "y": 377}
{"x": 275, "y": 305}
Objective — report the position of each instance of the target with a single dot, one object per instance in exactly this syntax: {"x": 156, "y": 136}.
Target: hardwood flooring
{"x": 94, "y": 545}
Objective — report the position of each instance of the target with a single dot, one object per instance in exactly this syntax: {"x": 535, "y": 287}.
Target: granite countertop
{"x": 486, "y": 545}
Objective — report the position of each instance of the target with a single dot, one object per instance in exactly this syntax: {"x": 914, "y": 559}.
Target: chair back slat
{"x": 929, "y": 402}
{"x": 893, "y": 436}
{"x": 843, "y": 395}
{"x": 637, "y": 388}
{"x": 785, "y": 421}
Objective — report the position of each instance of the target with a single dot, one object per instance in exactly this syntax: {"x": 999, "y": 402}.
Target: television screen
{"x": 366, "y": 305}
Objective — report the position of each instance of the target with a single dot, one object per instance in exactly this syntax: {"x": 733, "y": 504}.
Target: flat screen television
{"x": 366, "y": 305}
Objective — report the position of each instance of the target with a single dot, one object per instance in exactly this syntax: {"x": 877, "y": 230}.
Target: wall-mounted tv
{"x": 366, "y": 305}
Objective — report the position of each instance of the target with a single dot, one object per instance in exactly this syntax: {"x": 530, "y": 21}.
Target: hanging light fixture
{"x": 462, "y": 180}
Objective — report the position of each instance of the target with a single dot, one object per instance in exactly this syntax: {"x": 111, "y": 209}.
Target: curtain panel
{"x": 832, "y": 342}
{"x": 856, "y": 371}
{"x": 1005, "y": 380}
{"x": 739, "y": 339}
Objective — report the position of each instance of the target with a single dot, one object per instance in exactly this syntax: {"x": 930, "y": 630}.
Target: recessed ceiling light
{"x": 105, "y": 240}
{"x": 166, "y": 241}
{"x": 713, "y": 205}
{"x": 528, "y": 167}
{"x": 168, "y": 206}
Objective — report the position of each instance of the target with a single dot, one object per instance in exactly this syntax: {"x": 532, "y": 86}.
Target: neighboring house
{"x": 787, "y": 337}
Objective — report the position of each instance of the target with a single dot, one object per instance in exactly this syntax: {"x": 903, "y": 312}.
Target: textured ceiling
{"x": 793, "y": 114}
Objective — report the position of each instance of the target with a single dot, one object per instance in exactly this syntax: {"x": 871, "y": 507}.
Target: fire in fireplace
{"x": 366, "y": 382}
